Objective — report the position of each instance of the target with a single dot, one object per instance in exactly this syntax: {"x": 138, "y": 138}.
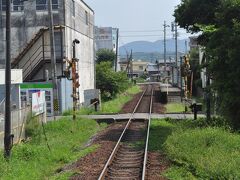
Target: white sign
{"x": 38, "y": 103}
{"x": 16, "y": 76}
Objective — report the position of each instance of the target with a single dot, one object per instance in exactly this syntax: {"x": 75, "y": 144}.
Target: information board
{"x": 38, "y": 103}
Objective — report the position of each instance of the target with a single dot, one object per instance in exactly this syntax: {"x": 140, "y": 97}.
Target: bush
{"x": 218, "y": 122}
{"x": 109, "y": 82}
{"x": 33, "y": 128}
{"x": 209, "y": 153}
{"x": 105, "y": 55}
{"x": 201, "y": 148}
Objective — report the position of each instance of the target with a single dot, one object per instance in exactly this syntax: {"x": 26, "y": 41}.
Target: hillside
{"x": 152, "y": 50}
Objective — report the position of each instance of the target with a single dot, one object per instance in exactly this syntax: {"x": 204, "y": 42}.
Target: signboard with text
{"x": 38, "y": 103}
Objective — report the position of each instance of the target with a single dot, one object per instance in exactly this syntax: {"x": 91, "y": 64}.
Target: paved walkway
{"x": 141, "y": 116}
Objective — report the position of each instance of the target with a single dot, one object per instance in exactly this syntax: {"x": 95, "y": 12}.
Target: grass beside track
{"x": 196, "y": 150}
{"x": 175, "y": 108}
{"x": 33, "y": 160}
{"x": 113, "y": 106}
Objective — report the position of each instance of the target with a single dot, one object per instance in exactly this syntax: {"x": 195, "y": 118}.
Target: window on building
{"x": 140, "y": 68}
{"x": 3, "y": 5}
{"x": 55, "y": 4}
{"x": 86, "y": 17}
{"x": 73, "y": 8}
{"x": 18, "y": 5}
{"x": 43, "y": 4}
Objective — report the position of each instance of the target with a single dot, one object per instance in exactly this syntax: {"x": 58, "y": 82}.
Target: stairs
{"x": 28, "y": 46}
{"x": 35, "y": 54}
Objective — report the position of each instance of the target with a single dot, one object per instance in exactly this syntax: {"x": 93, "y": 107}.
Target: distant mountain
{"x": 153, "y": 47}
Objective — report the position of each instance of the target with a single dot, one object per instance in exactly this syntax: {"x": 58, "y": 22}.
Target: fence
{"x": 19, "y": 118}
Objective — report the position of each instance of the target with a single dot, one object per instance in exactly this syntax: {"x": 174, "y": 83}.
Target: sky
{"x": 146, "y": 16}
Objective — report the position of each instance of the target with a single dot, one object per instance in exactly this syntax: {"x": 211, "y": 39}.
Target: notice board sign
{"x": 38, "y": 103}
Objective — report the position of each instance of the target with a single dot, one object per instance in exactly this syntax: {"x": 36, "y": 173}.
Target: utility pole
{"x": 174, "y": 29}
{"x": 116, "y": 60}
{"x": 53, "y": 59}
{"x": 128, "y": 66}
{"x": 181, "y": 83}
{"x": 186, "y": 47}
{"x": 208, "y": 96}
{"x": 172, "y": 69}
{"x": 176, "y": 46}
{"x": 131, "y": 65}
{"x": 165, "y": 49}
{"x": 7, "y": 133}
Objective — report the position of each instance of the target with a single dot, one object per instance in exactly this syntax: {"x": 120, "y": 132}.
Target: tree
{"x": 195, "y": 68}
{"x": 219, "y": 22}
{"x": 105, "y": 55}
{"x": 109, "y": 82}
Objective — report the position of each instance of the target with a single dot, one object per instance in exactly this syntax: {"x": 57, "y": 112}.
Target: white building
{"x": 73, "y": 19}
{"x": 106, "y": 38}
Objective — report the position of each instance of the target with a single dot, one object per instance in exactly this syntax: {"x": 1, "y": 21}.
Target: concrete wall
{"x": 15, "y": 97}
{"x": 77, "y": 28}
{"x": 24, "y": 25}
{"x": 66, "y": 101}
{"x": 106, "y": 38}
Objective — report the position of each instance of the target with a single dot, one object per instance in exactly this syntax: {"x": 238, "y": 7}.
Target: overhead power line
{"x": 132, "y": 31}
{"x": 147, "y": 30}
{"x": 143, "y": 35}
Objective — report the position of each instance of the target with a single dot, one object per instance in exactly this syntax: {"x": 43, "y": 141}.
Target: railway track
{"x": 128, "y": 160}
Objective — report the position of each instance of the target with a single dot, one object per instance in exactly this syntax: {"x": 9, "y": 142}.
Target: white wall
{"x": 76, "y": 28}
{"x": 16, "y": 76}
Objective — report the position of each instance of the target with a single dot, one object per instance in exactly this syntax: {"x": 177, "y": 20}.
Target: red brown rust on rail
{"x": 157, "y": 106}
{"x": 90, "y": 166}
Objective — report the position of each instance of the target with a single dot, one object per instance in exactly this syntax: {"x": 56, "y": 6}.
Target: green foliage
{"x": 109, "y": 82}
{"x": 215, "y": 122}
{"x": 139, "y": 80}
{"x": 66, "y": 139}
{"x": 115, "y": 105}
{"x": 105, "y": 55}
{"x": 196, "y": 69}
{"x": 192, "y": 13}
{"x": 176, "y": 172}
{"x": 175, "y": 108}
{"x": 219, "y": 22}
{"x": 159, "y": 132}
{"x": 112, "y": 106}
{"x": 204, "y": 151}
{"x": 197, "y": 149}
{"x": 82, "y": 111}
{"x": 33, "y": 128}
{"x": 67, "y": 112}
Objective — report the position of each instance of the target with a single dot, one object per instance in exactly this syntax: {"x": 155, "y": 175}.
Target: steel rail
{"x": 104, "y": 171}
{"x": 147, "y": 138}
